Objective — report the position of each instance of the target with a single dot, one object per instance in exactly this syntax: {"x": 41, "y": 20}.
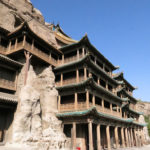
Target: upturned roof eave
{"x": 85, "y": 41}
{"x": 86, "y": 59}
{"x": 133, "y": 111}
{"x": 7, "y": 59}
{"x": 26, "y": 25}
{"x": 91, "y": 83}
{"x": 121, "y": 75}
{"x": 131, "y": 97}
{"x": 94, "y": 111}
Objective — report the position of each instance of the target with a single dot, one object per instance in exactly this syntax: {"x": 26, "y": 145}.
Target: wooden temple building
{"x": 96, "y": 106}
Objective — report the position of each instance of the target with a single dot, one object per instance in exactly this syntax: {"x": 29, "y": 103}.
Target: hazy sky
{"x": 119, "y": 29}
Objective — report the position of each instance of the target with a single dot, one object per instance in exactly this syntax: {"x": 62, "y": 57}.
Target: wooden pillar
{"x": 142, "y": 137}
{"x": 131, "y": 134}
{"x": 135, "y": 137}
{"x": 9, "y": 47}
{"x": 59, "y": 102}
{"x": 63, "y": 60}
{"x": 87, "y": 99}
{"x": 122, "y": 137}
{"x": 120, "y": 112}
{"x": 16, "y": 79}
{"x": 77, "y": 54}
{"x": 126, "y": 135}
{"x": 85, "y": 73}
{"x": 116, "y": 137}
{"x": 73, "y": 136}
{"x": 108, "y": 137}
{"x": 32, "y": 47}
{"x": 83, "y": 51}
{"x": 117, "y": 109}
{"x": 93, "y": 100}
{"x": 24, "y": 40}
{"x": 98, "y": 137}
{"x": 106, "y": 85}
{"x": 98, "y": 81}
{"x": 77, "y": 76}
{"x": 76, "y": 101}
{"x": 130, "y": 144}
{"x": 111, "y": 108}
{"x": 61, "y": 80}
{"x": 102, "y": 104}
{"x": 90, "y": 74}
{"x": 95, "y": 60}
{"x": 90, "y": 135}
{"x": 16, "y": 41}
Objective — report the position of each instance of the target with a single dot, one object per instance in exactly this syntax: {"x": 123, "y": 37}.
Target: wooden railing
{"x": 83, "y": 106}
{"x": 32, "y": 49}
{"x": 6, "y": 84}
{"x": 69, "y": 59}
{"x": 2, "y": 50}
{"x": 70, "y": 81}
{"x": 66, "y": 107}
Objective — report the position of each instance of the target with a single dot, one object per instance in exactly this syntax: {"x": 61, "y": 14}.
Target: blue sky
{"x": 119, "y": 29}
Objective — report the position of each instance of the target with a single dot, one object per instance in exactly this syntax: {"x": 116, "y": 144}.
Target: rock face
{"x": 145, "y": 108}
{"x": 15, "y": 12}
{"x": 35, "y": 123}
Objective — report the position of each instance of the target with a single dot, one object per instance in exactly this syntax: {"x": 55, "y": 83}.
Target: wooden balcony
{"x": 6, "y": 84}
{"x": 33, "y": 50}
{"x": 70, "y": 59}
{"x": 70, "y": 81}
{"x": 2, "y": 50}
{"x": 82, "y": 106}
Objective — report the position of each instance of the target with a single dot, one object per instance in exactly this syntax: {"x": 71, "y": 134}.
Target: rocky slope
{"x": 15, "y": 12}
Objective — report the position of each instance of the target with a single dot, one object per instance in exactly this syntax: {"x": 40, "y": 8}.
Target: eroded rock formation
{"x": 35, "y": 121}
{"x": 14, "y": 12}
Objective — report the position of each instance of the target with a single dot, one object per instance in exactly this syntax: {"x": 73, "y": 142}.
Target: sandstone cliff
{"x": 35, "y": 124}
{"x": 15, "y": 12}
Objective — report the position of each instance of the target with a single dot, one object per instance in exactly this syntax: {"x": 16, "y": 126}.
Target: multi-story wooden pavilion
{"x": 96, "y": 106}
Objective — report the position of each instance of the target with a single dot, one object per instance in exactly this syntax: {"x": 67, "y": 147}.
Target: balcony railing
{"x": 34, "y": 50}
{"x": 82, "y": 106}
{"x": 6, "y": 84}
{"x": 2, "y": 49}
{"x": 70, "y": 81}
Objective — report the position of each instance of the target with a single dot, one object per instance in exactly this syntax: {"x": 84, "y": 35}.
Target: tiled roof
{"x": 94, "y": 111}
{"x": 8, "y": 97}
{"x": 10, "y": 60}
{"x": 93, "y": 84}
{"x": 86, "y": 59}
